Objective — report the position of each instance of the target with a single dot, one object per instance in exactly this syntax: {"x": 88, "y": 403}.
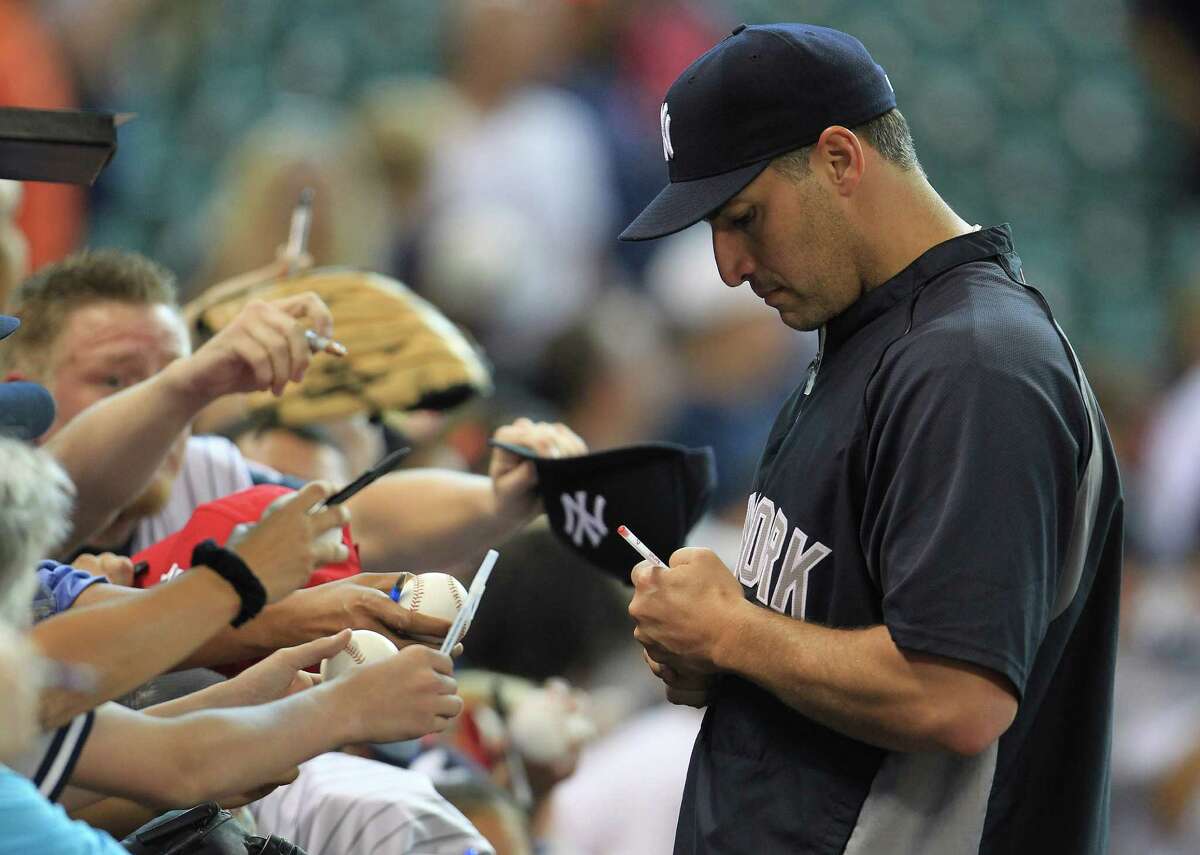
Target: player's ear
{"x": 840, "y": 158}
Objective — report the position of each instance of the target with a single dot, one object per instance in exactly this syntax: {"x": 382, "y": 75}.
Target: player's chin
{"x": 799, "y": 320}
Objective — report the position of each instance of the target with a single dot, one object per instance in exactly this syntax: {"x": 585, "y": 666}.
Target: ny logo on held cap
{"x": 581, "y": 523}
{"x": 664, "y": 122}
{"x": 658, "y": 489}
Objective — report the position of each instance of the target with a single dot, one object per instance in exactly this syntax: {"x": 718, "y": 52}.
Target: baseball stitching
{"x": 458, "y": 600}
{"x": 418, "y": 593}
{"x": 356, "y": 654}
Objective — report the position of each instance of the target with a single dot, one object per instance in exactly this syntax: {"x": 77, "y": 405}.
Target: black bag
{"x": 203, "y": 830}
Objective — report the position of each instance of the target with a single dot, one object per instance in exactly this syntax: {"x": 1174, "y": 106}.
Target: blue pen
{"x": 395, "y": 594}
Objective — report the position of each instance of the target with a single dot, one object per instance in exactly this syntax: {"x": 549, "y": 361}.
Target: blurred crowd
{"x": 486, "y": 153}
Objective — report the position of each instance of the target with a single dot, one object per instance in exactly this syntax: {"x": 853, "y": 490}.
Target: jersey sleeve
{"x": 59, "y": 585}
{"x": 971, "y": 477}
{"x": 51, "y": 761}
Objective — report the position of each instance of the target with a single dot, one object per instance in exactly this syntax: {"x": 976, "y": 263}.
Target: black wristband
{"x": 229, "y": 566}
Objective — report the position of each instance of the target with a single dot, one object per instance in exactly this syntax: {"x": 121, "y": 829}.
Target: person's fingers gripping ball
{"x": 398, "y": 697}
{"x": 283, "y": 672}
{"x": 362, "y": 602}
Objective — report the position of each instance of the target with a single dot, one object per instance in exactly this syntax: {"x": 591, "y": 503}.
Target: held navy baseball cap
{"x": 26, "y": 409}
{"x": 759, "y": 93}
{"x": 658, "y": 489}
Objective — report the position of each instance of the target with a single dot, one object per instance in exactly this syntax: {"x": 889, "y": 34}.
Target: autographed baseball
{"x": 437, "y": 595}
{"x": 365, "y": 646}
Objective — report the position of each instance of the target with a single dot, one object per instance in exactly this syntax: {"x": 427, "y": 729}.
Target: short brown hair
{"x": 888, "y": 134}
{"x": 45, "y": 300}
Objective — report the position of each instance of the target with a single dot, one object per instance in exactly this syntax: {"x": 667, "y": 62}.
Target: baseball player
{"x": 914, "y": 650}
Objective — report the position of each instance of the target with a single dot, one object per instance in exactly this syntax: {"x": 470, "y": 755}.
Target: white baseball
{"x": 365, "y": 646}
{"x": 547, "y": 725}
{"x": 437, "y": 595}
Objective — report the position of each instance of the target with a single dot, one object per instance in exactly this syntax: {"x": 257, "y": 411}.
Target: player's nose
{"x": 734, "y": 263}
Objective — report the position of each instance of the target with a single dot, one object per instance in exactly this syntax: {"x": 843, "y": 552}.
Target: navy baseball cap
{"x": 658, "y": 489}
{"x": 759, "y": 93}
{"x": 26, "y": 409}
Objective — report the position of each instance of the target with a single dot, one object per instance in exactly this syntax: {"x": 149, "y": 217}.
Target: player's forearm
{"x": 135, "y": 429}
{"x": 217, "y": 696}
{"x": 282, "y": 624}
{"x": 278, "y": 625}
{"x": 856, "y": 682}
{"x": 204, "y": 755}
{"x": 130, "y": 636}
{"x": 227, "y": 751}
{"x": 427, "y": 519}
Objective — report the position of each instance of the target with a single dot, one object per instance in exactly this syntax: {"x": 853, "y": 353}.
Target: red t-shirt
{"x": 216, "y": 520}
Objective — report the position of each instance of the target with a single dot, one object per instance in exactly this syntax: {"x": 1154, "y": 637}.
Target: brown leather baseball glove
{"x": 403, "y": 354}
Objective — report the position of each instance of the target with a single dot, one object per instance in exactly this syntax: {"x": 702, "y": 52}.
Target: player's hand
{"x": 683, "y": 611}
{"x": 514, "y": 479}
{"x": 282, "y": 673}
{"x": 285, "y": 546}
{"x": 399, "y": 697}
{"x": 362, "y": 602}
{"x": 117, "y": 568}
{"x": 683, "y": 687}
{"x": 262, "y": 348}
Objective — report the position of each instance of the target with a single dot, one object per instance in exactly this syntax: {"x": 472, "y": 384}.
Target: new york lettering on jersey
{"x": 784, "y": 588}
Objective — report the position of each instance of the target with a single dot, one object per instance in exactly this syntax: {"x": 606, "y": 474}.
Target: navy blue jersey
{"x": 944, "y": 470}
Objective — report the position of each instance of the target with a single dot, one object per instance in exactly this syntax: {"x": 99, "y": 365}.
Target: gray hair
{"x": 35, "y": 516}
{"x": 888, "y": 134}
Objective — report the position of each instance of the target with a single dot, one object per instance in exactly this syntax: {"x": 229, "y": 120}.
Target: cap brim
{"x": 598, "y": 460}
{"x": 8, "y": 325}
{"x": 685, "y": 203}
{"x": 26, "y": 410}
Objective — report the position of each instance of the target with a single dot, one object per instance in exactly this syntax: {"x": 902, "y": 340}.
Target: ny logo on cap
{"x": 664, "y": 122}
{"x": 580, "y": 522}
